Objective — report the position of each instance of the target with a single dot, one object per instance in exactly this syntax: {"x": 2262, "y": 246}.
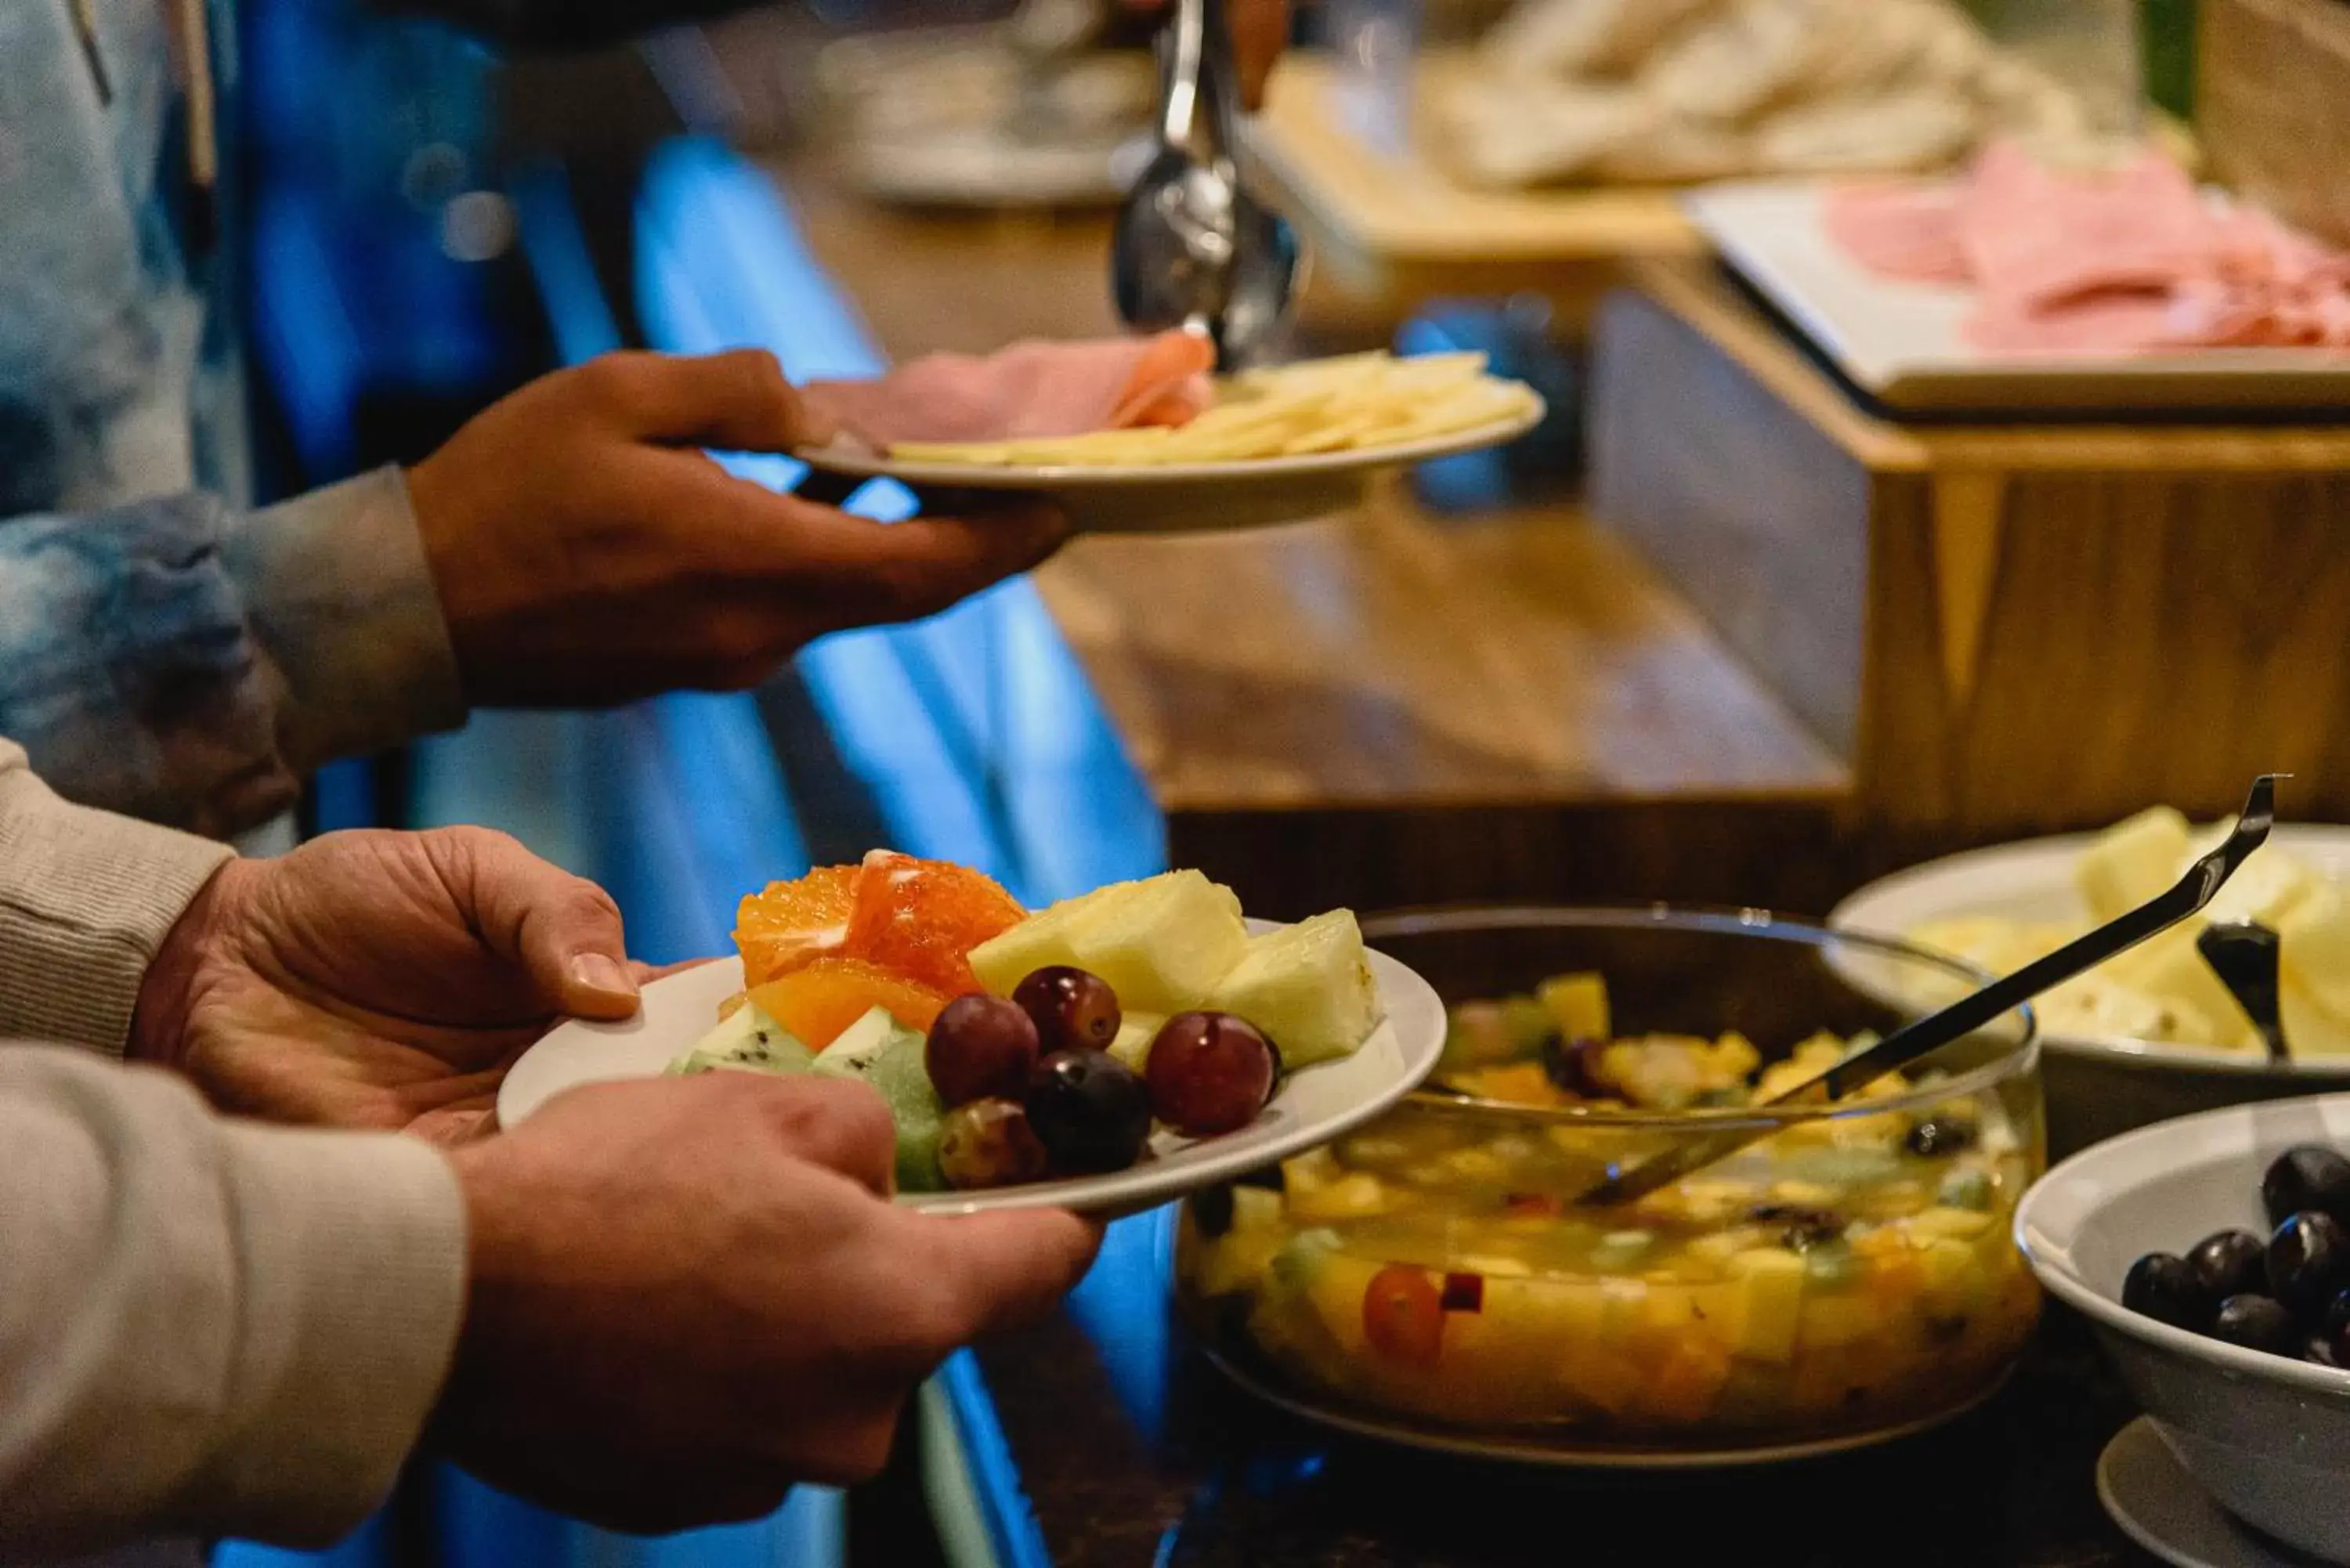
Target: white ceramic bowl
{"x": 2268, "y": 1437}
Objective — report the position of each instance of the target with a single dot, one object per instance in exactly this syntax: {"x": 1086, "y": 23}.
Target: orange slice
{"x": 793, "y": 924}
{"x": 919, "y": 918}
{"x": 818, "y": 1000}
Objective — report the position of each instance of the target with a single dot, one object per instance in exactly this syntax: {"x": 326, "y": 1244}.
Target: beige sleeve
{"x": 208, "y": 1327}
{"x": 85, "y": 897}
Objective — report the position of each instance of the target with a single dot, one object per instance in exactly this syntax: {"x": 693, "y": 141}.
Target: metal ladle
{"x": 1192, "y": 249}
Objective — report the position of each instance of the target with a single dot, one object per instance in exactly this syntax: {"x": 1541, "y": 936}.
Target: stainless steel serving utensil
{"x": 1192, "y": 248}
{"x": 2243, "y": 954}
{"x": 1972, "y": 1011}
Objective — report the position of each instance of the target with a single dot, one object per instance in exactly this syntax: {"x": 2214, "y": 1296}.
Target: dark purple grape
{"x": 2307, "y": 1177}
{"x": 2168, "y": 1290}
{"x": 989, "y": 1143}
{"x": 2308, "y": 1264}
{"x": 1574, "y": 1066}
{"x": 1074, "y": 1011}
{"x": 1089, "y": 1110}
{"x": 2230, "y": 1264}
{"x": 2256, "y": 1322}
{"x": 1209, "y": 1073}
{"x": 980, "y": 1047}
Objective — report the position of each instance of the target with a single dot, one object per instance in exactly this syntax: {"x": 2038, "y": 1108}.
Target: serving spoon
{"x": 2243, "y": 954}
{"x": 1970, "y": 1012}
{"x": 1192, "y": 249}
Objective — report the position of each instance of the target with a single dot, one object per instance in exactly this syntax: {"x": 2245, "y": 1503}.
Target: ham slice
{"x": 1031, "y": 390}
{"x": 2129, "y": 260}
{"x": 1898, "y": 230}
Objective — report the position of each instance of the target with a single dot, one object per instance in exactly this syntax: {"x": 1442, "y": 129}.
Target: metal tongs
{"x": 1972, "y": 1011}
{"x": 1192, "y": 249}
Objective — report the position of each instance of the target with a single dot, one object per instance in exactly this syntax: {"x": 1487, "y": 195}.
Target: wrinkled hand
{"x": 378, "y": 979}
{"x": 1260, "y": 34}
{"x": 587, "y": 551}
{"x": 687, "y": 1294}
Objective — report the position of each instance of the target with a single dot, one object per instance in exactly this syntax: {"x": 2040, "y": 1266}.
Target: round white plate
{"x": 1311, "y": 1105}
{"x": 2033, "y": 881}
{"x": 1183, "y": 497}
{"x": 2158, "y": 1504}
{"x": 1562, "y": 1455}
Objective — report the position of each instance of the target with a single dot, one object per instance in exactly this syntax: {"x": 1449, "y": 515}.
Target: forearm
{"x": 181, "y": 661}
{"x": 210, "y": 1328}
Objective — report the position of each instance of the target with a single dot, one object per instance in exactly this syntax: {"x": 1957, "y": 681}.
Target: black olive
{"x": 2308, "y": 1264}
{"x": 1211, "y": 1210}
{"x": 2231, "y": 1264}
{"x": 2307, "y": 1177}
{"x": 2256, "y": 1322}
{"x": 2168, "y": 1290}
{"x": 1937, "y": 1137}
{"x": 1574, "y": 1066}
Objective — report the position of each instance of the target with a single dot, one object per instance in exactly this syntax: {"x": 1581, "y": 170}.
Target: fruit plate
{"x": 1182, "y": 497}
{"x": 1309, "y": 1108}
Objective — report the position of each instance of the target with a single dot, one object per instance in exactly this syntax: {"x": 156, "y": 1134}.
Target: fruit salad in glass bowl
{"x": 1433, "y": 1276}
{"x": 1015, "y": 1048}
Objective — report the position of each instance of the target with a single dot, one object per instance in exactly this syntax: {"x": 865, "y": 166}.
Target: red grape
{"x": 1209, "y": 1073}
{"x": 1074, "y": 1011}
{"x": 1089, "y": 1110}
{"x": 988, "y": 1143}
{"x": 980, "y": 1046}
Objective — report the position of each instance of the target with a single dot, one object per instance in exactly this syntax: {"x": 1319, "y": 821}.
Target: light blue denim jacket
{"x": 164, "y": 650}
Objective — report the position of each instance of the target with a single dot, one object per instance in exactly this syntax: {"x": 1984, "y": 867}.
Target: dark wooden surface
{"x": 1134, "y": 1453}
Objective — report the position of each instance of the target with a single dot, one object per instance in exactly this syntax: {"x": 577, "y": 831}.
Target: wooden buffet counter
{"x": 1393, "y": 708}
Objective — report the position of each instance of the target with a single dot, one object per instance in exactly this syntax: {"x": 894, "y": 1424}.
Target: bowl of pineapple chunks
{"x": 1432, "y": 1278}
{"x": 2151, "y": 1033}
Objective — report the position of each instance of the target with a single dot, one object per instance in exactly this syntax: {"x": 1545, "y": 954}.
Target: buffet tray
{"x": 1899, "y": 343}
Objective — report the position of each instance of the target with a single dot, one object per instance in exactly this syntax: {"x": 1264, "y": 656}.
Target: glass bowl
{"x": 1848, "y": 1278}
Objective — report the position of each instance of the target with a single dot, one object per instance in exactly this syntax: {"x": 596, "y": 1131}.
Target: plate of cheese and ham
{"x": 2020, "y": 286}
{"x": 1136, "y": 435}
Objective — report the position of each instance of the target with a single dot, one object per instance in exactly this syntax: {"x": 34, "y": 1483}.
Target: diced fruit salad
{"x": 1014, "y": 1047}
{"x": 1851, "y": 1272}
{"x": 2286, "y": 1292}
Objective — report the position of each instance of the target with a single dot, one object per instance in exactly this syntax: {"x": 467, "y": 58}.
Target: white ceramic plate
{"x": 1184, "y": 497}
{"x": 2158, "y": 1504}
{"x": 1312, "y": 1106}
{"x": 1899, "y": 342}
{"x": 2032, "y": 882}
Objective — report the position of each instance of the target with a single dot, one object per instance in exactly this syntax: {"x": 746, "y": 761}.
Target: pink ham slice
{"x": 2125, "y": 262}
{"x": 1030, "y": 390}
{"x": 1901, "y": 231}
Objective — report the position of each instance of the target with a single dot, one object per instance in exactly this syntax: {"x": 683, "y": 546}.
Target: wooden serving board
{"x": 1398, "y": 228}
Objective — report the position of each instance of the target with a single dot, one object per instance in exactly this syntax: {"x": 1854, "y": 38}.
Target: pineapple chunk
{"x": 1040, "y": 942}
{"x": 2267, "y": 888}
{"x": 2170, "y": 968}
{"x": 1308, "y": 987}
{"x": 1577, "y": 1005}
{"x": 1770, "y": 1305}
{"x": 2314, "y": 955}
{"x": 2132, "y": 861}
{"x": 1162, "y": 943}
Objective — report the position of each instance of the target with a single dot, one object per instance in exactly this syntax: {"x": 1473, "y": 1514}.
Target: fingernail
{"x": 597, "y": 972}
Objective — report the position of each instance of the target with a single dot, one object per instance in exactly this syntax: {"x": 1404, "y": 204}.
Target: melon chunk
{"x": 1040, "y": 942}
{"x": 1308, "y": 987}
{"x": 2132, "y": 861}
{"x": 1162, "y": 943}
